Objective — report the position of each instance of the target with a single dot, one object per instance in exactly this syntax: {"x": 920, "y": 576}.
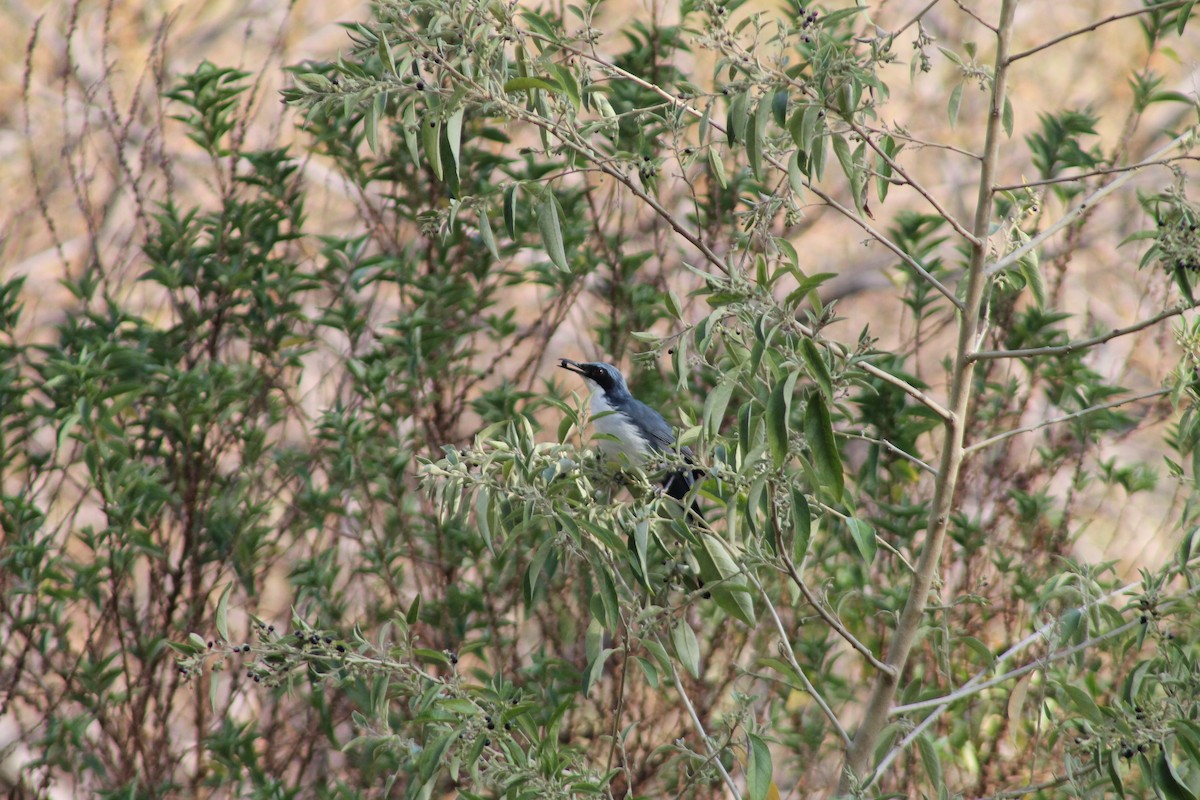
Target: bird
{"x": 636, "y": 429}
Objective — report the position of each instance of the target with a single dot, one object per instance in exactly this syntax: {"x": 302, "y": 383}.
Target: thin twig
{"x": 915, "y": 19}
{"x": 699, "y": 726}
{"x": 943, "y": 212}
{"x": 858, "y": 220}
{"x": 1011, "y": 187}
{"x": 921, "y": 143}
{"x": 1082, "y": 344}
{"x": 1013, "y": 674}
{"x": 908, "y": 389}
{"x": 891, "y": 448}
{"x": 785, "y": 649}
{"x": 976, "y": 17}
{"x": 1085, "y": 205}
{"x": 907, "y": 629}
{"x": 853, "y": 216}
{"x": 991, "y": 440}
{"x": 823, "y": 613}
{"x": 1020, "y": 646}
{"x": 1171, "y": 4}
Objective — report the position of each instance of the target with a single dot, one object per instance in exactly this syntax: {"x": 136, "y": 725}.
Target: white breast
{"x": 629, "y": 442}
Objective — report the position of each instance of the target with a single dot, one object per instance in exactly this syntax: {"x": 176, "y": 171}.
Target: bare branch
{"x": 1020, "y": 646}
{"x": 699, "y": 726}
{"x": 1082, "y": 344}
{"x": 1067, "y": 418}
{"x": 883, "y": 694}
{"x": 1079, "y": 210}
{"x": 1011, "y": 187}
{"x": 962, "y": 7}
{"x": 878, "y": 236}
{"x": 1167, "y": 6}
{"x": 944, "y": 213}
{"x": 785, "y": 649}
{"x": 908, "y": 389}
{"x": 916, "y": 18}
{"x": 891, "y": 448}
{"x": 824, "y": 613}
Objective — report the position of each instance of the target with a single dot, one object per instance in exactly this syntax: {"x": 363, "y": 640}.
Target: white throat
{"x": 629, "y": 442}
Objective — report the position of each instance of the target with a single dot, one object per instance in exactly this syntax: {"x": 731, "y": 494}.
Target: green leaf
{"x": 952, "y": 107}
{"x": 864, "y": 538}
{"x": 482, "y": 521}
{"x": 1114, "y": 772}
{"x": 529, "y": 83}
{"x": 649, "y": 670}
{"x": 549, "y": 214}
{"x": 454, "y": 137}
{"x": 754, "y": 145}
{"x": 817, "y": 369}
{"x": 223, "y": 612}
{"x": 485, "y": 233}
{"x": 410, "y": 130}
{"x": 1182, "y": 16}
{"x": 779, "y": 103}
{"x": 738, "y": 120}
{"x": 673, "y": 306}
{"x": 1030, "y": 269}
{"x": 1006, "y": 118}
{"x": 640, "y": 541}
{"x": 777, "y": 420}
{"x": 801, "y": 525}
{"x": 414, "y": 611}
{"x": 510, "y": 211}
{"x": 1083, "y": 702}
{"x": 431, "y": 142}
{"x": 795, "y": 174}
{"x": 929, "y": 759}
{"x": 385, "y": 53}
{"x": 818, "y": 429}
{"x": 758, "y": 768}
{"x": 717, "y": 165}
{"x": 371, "y": 123}
{"x": 687, "y": 648}
{"x": 723, "y": 577}
{"x": 716, "y": 403}
{"x": 1167, "y": 779}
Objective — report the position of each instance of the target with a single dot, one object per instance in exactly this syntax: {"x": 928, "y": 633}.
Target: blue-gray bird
{"x": 637, "y": 429}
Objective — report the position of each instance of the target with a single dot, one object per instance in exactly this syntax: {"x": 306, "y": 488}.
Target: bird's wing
{"x": 656, "y": 429}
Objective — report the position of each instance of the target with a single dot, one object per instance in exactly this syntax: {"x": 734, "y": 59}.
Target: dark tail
{"x": 678, "y": 484}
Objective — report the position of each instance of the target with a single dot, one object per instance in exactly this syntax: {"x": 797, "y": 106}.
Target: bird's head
{"x": 600, "y": 377}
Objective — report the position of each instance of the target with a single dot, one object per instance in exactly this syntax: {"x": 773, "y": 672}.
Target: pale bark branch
{"x": 1085, "y": 205}
{"x": 699, "y": 726}
{"x": 1000, "y": 437}
{"x": 1082, "y": 344}
{"x": 1167, "y": 6}
{"x": 785, "y": 649}
{"x": 879, "y": 704}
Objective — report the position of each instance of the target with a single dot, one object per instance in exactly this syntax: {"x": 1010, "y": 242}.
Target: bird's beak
{"x": 571, "y": 366}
